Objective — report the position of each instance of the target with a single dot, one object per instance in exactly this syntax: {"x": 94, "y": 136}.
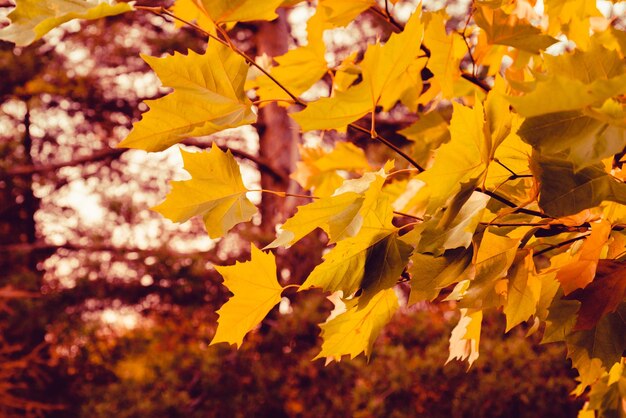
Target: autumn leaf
{"x": 596, "y": 350}
{"x": 215, "y": 192}
{"x": 494, "y": 258}
{"x": 503, "y": 29}
{"x": 430, "y": 274}
{"x": 255, "y": 292}
{"x": 446, "y": 53}
{"x": 354, "y": 331}
{"x": 371, "y": 260}
{"x": 298, "y": 69}
{"x": 581, "y": 271}
{"x": 382, "y": 66}
{"x": 208, "y": 97}
{"x": 334, "y": 214}
{"x": 603, "y": 295}
{"x": 565, "y": 191}
{"x": 524, "y": 290}
{"x": 32, "y": 19}
{"x": 440, "y": 234}
{"x": 228, "y": 11}
{"x": 585, "y": 139}
{"x": 342, "y": 12}
{"x": 465, "y": 338}
{"x": 317, "y": 169}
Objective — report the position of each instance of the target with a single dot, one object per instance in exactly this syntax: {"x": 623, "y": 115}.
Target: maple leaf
{"x": 372, "y": 260}
{"x": 317, "y": 169}
{"x": 32, "y": 19}
{"x": 382, "y": 66}
{"x": 603, "y": 295}
{"x": 208, "y": 97}
{"x": 255, "y": 292}
{"x": 561, "y": 319}
{"x": 430, "y": 274}
{"x": 334, "y": 214}
{"x": 446, "y": 53}
{"x": 230, "y": 11}
{"x": 585, "y": 139}
{"x": 503, "y": 29}
{"x": 442, "y": 233}
{"x": 574, "y": 81}
{"x": 465, "y": 337}
{"x": 298, "y": 69}
{"x": 524, "y": 290}
{"x": 354, "y": 331}
{"x": 461, "y": 160}
{"x": 494, "y": 257}
{"x": 342, "y": 12}
{"x": 595, "y": 350}
{"x": 215, "y": 192}
{"x": 565, "y": 191}
{"x": 581, "y": 271}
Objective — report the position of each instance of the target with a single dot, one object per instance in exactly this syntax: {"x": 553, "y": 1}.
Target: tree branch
{"x": 44, "y": 246}
{"x": 114, "y": 153}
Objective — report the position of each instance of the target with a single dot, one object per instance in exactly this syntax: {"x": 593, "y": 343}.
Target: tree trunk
{"x": 279, "y": 136}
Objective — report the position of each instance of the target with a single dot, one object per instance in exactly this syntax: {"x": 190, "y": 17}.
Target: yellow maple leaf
{"x": 230, "y": 11}
{"x": 342, "y": 12}
{"x": 382, "y": 67}
{"x": 354, "y": 331}
{"x": 465, "y": 337}
{"x": 215, "y": 192}
{"x": 208, "y": 97}
{"x": 462, "y": 159}
{"x": 317, "y": 168}
{"x": 32, "y": 19}
{"x": 341, "y": 215}
{"x": 385, "y": 67}
{"x": 255, "y": 292}
{"x": 334, "y": 214}
{"x": 524, "y": 290}
{"x": 371, "y": 260}
{"x": 446, "y": 52}
{"x": 571, "y": 17}
{"x": 503, "y": 29}
{"x": 299, "y": 68}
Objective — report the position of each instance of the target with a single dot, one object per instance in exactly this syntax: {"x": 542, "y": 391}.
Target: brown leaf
{"x": 602, "y": 296}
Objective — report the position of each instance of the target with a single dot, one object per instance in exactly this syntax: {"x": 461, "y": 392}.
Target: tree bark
{"x": 279, "y": 136}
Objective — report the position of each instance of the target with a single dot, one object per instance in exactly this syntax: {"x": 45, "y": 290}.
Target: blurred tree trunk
{"x": 278, "y": 136}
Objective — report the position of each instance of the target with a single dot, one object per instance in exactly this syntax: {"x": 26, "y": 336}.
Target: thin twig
{"x": 561, "y": 244}
{"x": 507, "y": 202}
{"x": 389, "y": 144}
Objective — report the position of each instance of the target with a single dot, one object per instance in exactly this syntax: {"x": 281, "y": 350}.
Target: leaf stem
{"x": 258, "y": 102}
{"x": 410, "y": 224}
{"x": 507, "y": 202}
{"x": 284, "y": 194}
{"x": 388, "y": 144}
{"x": 408, "y": 216}
{"x": 403, "y": 171}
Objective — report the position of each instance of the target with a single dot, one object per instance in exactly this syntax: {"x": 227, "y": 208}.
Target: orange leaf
{"x": 580, "y": 272}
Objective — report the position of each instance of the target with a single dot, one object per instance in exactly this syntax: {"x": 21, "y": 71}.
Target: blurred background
{"x": 107, "y": 309}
